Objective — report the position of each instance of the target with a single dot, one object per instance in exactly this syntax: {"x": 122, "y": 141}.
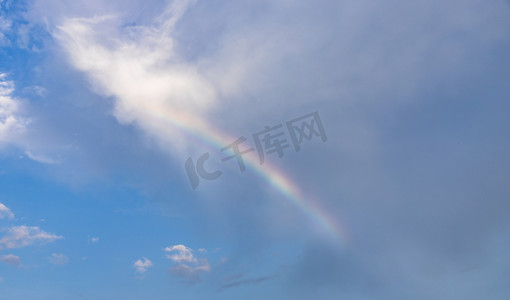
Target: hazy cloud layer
{"x": 413, "y": 97}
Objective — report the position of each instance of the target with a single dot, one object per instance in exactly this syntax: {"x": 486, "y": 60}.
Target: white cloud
{"x": 11, "y": 124}
{"x": 140, "y": 68}
{"x": 222, "y": 260}
{"x": 58, "y": 259}
{"x": 191, "y": 272}
{"x": 5, "y": 26}
{"x": 10, "y": 259}
{"x": 35, "y": 90}
{"x": 5, "y": 212}
{"x": 14, "y": 124}
{"x": 40, "y": 158}
{"x": 180, "y": 253}
{"x": 94, "y": 240}
{"x": 22, "y": 236}
{"x": 187, "y": 266}
{"x": 141, "y": 266}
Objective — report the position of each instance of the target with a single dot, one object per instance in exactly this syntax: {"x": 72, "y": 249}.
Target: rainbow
{"x": 77, "y": 44}
{"x": 201, "y": 130}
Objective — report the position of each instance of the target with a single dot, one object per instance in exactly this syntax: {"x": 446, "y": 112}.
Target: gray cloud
{"x": 246, "y": 281}
{"x": 413, "y": 98}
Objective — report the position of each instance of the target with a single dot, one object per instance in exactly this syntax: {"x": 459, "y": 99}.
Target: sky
{"x": 246, "y": 149}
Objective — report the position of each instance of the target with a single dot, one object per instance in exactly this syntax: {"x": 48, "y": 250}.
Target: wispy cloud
{"x": 142, "y": 265}
{"x": 22, "y": 236}
{"x": 142, "y": 69}
{"x": 40, "y": 158}
{"x": 5, "y": 212}
{"x": 5, "y": 26}
{"x": 10, "y": 259}
{"x": 35, "y": 90}
{"x": 11, "y": 123}
{"x": 15, "y": 125}
{"x": 58, "y": 259}
{"x": 246, "y": 281}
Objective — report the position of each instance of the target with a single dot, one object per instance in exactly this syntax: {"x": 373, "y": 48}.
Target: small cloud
{"x": 191, "y": 273}
{"x": 222, "y": 261}
{"x": 94, "y": 240}
{"x": 40, "y": 158}
{"x": 180, "y": 253}
{"x": 58, "y": 259}
{"x": 247, "y": 281}
{"x": 10, "y": 259}
{"x": 22, "y": 236}
{"x": 5, "y": 212}
{"x": 35, "y": 90}
{"x": 141, "y": 266}
{"x": 187, "y": 266}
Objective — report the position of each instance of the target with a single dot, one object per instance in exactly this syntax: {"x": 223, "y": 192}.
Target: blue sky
{"x": 102, "y": 103}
